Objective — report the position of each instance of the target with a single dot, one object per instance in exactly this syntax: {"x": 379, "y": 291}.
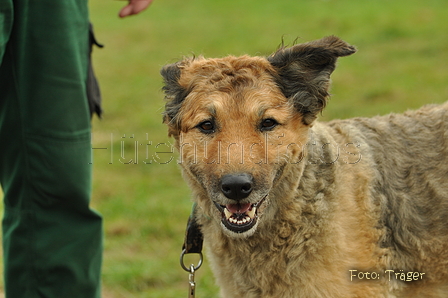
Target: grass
{"x": 402, "y": 63}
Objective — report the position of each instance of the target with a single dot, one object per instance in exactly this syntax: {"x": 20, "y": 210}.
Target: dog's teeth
{"x": 236, "y": 219}
{"x": 251, "y": 213}
{"x": 227, "y": 213}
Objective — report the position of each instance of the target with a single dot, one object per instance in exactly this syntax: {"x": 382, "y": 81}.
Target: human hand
{"x": 134, "y": 7}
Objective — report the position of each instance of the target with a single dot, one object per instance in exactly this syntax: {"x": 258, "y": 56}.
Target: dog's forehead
{"x": 230, "y": 86}
{"x": 230, "y": 79}
{"x": 231, "y": 65}
{"x": 228, "y": 74}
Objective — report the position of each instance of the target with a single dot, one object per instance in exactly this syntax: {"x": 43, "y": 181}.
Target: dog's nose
{"x": 236, "y": 186}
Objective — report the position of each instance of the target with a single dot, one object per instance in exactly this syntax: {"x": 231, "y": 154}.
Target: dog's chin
{"x": 239, "y": 235}
{"x": 239, "y": 220}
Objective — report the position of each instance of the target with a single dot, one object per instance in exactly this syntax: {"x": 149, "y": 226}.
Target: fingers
{"x": 134, "y": 7}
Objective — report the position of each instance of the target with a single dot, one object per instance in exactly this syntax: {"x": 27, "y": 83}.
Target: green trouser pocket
{"x": 93, "y": 88}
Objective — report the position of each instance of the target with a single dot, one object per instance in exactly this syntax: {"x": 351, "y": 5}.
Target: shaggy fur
{"x": 339, "y": 205}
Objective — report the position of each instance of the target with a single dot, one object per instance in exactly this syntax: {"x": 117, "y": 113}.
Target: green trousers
{"x": 52, "y": 240}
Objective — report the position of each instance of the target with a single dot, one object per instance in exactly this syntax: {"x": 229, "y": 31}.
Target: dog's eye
{"x": 206, "y": 127}
{"x": 268, "y": 124}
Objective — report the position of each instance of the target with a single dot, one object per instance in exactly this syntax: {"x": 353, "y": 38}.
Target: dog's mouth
{"x": 239, "y": 218}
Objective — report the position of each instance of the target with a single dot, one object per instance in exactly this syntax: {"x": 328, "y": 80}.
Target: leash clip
{"x": 192, "y": 288}
{"x": 191, "y": 271}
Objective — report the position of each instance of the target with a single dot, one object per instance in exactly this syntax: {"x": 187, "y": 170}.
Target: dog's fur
{"x": 365, "y": 194}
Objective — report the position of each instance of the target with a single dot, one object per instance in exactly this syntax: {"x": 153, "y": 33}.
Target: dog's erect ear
{"x": 303, "y": 72}
{"x": 174, "y": 95}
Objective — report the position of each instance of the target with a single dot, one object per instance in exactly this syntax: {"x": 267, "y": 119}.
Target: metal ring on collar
{"x": 185, "y": 267}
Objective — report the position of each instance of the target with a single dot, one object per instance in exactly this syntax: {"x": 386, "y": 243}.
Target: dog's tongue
{"x": 238, "y": 208}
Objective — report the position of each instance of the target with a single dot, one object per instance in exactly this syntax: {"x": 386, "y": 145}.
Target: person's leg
{"x": 52, "y": 240}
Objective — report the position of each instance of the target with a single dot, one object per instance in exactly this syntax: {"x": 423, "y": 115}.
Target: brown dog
{"x": 291, "y": 207}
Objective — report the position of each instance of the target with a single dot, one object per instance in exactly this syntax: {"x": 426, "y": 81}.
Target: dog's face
{"x": 240, "y": 122}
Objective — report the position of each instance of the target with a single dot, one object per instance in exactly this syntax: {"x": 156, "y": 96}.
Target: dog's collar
{"x": 192, "y": 244}
{"x": 193, "y": 236}
{"x": 193, "y": 241}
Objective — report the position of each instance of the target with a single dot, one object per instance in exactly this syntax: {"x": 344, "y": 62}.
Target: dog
{"x": 293, "y": 207}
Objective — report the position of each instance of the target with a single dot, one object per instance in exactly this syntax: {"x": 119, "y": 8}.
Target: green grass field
{"x": 402, "y": 63}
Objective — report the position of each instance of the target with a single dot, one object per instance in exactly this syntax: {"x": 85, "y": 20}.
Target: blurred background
{"x": 401, "y": 63}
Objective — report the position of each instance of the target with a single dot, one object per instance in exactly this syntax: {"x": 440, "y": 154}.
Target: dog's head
{"x": 241, "y": 123}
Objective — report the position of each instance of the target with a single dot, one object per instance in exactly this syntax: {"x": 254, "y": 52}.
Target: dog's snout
{"x": 236, "y": 186}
